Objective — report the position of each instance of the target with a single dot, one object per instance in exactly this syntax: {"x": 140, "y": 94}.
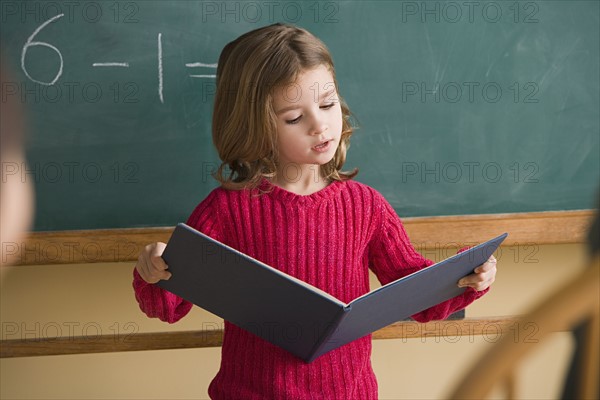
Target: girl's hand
{"x": 150, "y": 265}
{"x": 483, "y": 277}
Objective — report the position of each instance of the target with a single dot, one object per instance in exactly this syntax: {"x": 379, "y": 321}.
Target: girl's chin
{"x": 323, "y": 160}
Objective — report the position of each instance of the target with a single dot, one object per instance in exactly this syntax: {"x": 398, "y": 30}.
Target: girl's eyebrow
{"x": 293, "y": 107}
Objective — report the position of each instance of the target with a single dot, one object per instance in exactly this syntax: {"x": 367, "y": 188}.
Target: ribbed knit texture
{"x": 329, "y": 239}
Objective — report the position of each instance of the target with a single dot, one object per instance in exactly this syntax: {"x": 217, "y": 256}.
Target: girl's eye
{"x": 294, "y": 121}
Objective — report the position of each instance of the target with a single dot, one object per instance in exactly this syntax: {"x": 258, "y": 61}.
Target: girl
{"x": 282, "y": 131}
{"x": 17, "y": 202}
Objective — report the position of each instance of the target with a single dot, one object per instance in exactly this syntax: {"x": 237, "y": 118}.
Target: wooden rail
{"x": 119, "y": 245}
{"x": 491, "y": 328}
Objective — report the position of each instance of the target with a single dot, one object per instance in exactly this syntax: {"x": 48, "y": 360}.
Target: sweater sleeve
{"x": 156, "y": 302}
{"x": 392, "y": 256}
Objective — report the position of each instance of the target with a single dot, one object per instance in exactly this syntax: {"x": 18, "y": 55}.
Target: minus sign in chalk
{"x": 111, "y": 64}
{"x": 203, "y": 76}
{"x": 200, "y": 64}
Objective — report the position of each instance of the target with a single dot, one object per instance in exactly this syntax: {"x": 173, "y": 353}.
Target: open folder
{"x": 292, "y": 314}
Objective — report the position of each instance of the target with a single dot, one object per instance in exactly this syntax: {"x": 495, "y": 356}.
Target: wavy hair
{"x": 244, "y": 123}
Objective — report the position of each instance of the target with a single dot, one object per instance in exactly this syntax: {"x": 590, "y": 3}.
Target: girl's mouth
{"x": 323, "y": 147}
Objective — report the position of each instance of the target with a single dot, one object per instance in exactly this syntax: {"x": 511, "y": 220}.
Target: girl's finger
{"x": 473, "y": 280}
{"x": 158, "y": 269}
{"x": 486, "y": 266}
{"x": 467, "y": 281}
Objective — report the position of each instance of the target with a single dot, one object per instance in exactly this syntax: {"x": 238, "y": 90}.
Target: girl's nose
{"x": 318, "y": 126}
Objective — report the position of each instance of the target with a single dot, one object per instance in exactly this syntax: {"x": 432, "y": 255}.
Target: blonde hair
{"x": 243, "y": 123}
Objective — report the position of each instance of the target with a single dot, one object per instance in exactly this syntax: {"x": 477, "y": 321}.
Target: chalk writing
{"x": 31, "y": 43}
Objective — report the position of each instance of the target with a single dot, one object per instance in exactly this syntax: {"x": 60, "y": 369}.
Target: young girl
{"x": 282, "y": 131}
{"x": 17, "y": 202}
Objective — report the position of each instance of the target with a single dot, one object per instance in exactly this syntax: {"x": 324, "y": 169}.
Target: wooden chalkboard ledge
{"x": 122, "y": 245}
{"x": 492, "y": 329}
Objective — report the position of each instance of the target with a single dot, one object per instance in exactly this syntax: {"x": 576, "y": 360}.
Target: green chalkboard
{"x": 464, "y": 107}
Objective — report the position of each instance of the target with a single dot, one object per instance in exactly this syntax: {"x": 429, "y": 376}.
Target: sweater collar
{"x": 280, "y": 193}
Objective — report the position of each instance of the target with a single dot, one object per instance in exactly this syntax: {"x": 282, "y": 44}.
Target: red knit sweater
{"x": 329, "y": 239}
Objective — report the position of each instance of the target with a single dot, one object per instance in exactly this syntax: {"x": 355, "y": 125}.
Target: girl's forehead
{"x": 307, "y": 81}
{"x": 320, "y": 72}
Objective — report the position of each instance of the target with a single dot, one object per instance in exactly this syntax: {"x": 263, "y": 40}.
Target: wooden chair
{"x": 575, "y": 303}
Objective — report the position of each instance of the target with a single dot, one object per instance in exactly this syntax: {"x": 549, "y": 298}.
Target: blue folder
{"x": 292, "y": 314}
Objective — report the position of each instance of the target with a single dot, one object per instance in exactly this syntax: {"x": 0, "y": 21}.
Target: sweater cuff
{"x": 138, "y": 282}
{"x": 471, "y": 294}
{"x": 156, "y": 302}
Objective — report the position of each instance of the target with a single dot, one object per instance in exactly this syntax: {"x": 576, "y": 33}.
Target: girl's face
{"x": 309, "y": 118}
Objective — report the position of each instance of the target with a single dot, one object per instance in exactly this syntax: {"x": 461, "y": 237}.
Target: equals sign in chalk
{"x": 199, "y": 65}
